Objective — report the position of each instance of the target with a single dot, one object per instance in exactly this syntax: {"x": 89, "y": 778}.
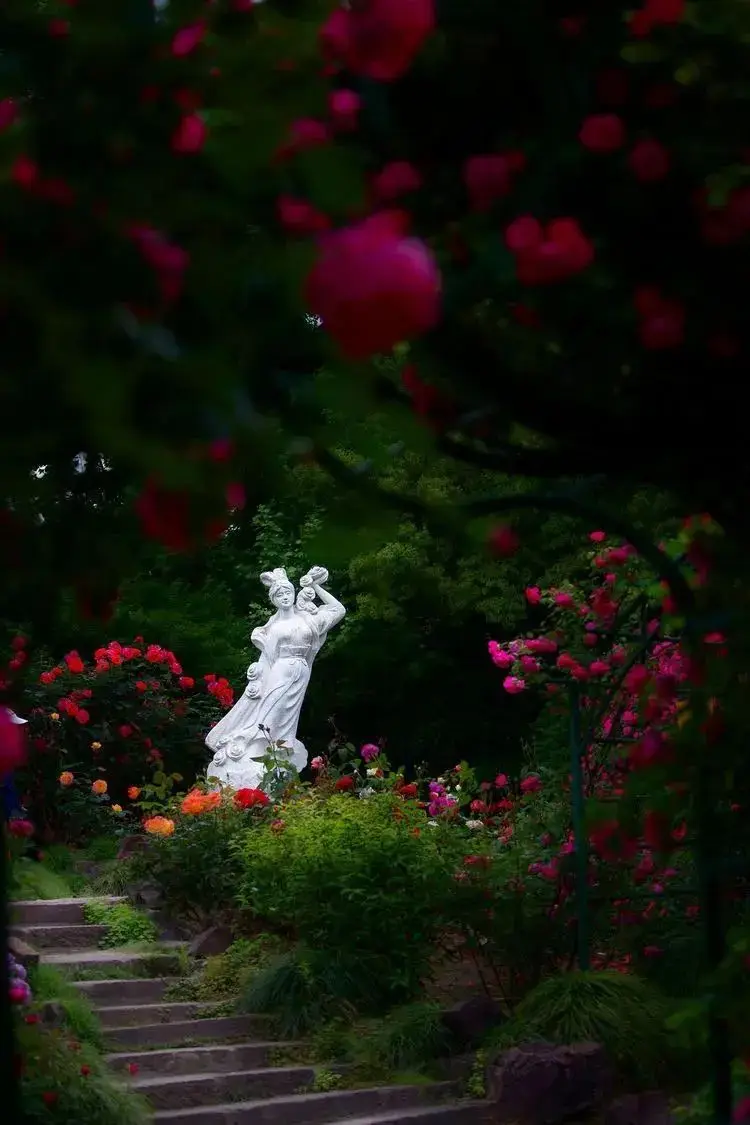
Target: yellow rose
{"x": 96, "y": 745}
{"x": 54, "y": 716}
{"x": 117, "y": 808}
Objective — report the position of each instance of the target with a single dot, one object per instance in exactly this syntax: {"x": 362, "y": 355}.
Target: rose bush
{"x": 362, "y": 877}
{"x": 653, "y": 712}
{"x": 62, "y": 1078}
{"x": 192, "y": 853}
{"x": 126, "y": 718}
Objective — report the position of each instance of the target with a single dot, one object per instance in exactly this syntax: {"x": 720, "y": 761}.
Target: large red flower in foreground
{"x": 373, "y": 286}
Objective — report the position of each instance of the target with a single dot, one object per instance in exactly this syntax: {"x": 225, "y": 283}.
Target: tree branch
{"x": 447, "y": 519}
{"x": 530, "y": 462}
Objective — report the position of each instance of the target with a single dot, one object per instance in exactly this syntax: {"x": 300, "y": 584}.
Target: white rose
{"x": 432, "y": 824}
{"x": 367, "y": 791}
{"x": 373, "y": 772}
{"x": 474, "y": 824}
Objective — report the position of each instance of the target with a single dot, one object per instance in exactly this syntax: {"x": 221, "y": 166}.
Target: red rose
{"x": 374, "y": 286}
{"x": 250, "y": 798}
{"x": 408, "y": 792}
{"x": 22, "y": 828}
{"x": 344, "y": 784}
{"x": 602, "y": 132}
{"x": 74, "y": 662}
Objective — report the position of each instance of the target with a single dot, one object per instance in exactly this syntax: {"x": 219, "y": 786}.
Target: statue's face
{"x": 282, "y": 595}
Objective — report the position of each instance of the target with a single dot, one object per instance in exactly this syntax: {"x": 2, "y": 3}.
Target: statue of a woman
{"x": 269, "y": 709}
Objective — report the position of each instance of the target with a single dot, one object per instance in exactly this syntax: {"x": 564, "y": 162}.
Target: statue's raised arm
{"x": 331, "y": 611}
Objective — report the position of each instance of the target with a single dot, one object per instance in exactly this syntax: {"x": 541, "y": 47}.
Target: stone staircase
{"x": 199, "y": 1069}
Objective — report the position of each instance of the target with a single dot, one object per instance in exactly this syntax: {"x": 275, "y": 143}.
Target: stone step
{"x": 159, "y": 962}
{"x": 197, "y": 1060}
{"x": 184, "y": 1091}
{"x": 452, "y": 1113}
{"x": 43, "y": 911}
{"x": 138, "y": 1015}
{"x": 188, "y": 1031}
{"x": 310, "y": 1109}
{"x": 122, "y": 993}
{"x": 58, "y": 936}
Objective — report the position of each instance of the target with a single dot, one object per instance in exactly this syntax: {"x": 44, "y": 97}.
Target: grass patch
{"x": 113, "y": 880}
{"x": 36, "y": 881}
{"x": 305, "y": 989}
{"x": 223, "y": 978}
{"x": 160, "y": 963}
{"x": 62, "y": 861}
{"x": 47, "y": 984}
{"x": 107, "y": 972}
{"x": 126, "y": 926}
{"x": 84, "y": 1088}
{"x": 622, "y": 1012}
{"x": 407, "y": 1037}
{"x": 408, "y": 1040}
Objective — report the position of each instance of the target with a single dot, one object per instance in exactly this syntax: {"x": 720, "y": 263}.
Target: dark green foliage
{"x": 306, "y": 988}
{"x": 620, "y": 1011}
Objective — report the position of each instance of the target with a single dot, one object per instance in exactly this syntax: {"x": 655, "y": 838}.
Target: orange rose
{"x": 196, "y": 803}
{"x": 99, "y": 786}
{"x": 66, "y": 778}
{"x": 134, "y": 793}
{"x": 159, "y": 826}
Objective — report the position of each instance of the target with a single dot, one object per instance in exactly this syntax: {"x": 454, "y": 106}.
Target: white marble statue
{"x": 269, "y": 709}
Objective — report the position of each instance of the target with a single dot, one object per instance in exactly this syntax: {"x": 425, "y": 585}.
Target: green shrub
{"x": 125, "y": 925}
{"x": 199, "y": 867}
{"x": 356, "y": 878}
{"x": 622, "y": 1012}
